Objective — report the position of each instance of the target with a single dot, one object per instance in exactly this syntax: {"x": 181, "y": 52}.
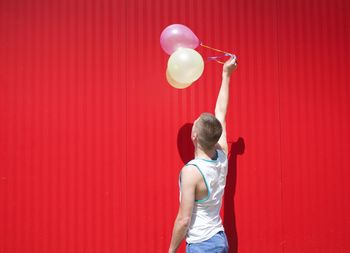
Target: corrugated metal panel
{"x": 156, "y": 112}
{"x": 314, "y": 77}
{"x": 93, "y": 138}
{"x": 63, "y": 139}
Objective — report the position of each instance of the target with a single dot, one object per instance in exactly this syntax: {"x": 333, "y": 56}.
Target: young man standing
{"x": 202, "y": 180}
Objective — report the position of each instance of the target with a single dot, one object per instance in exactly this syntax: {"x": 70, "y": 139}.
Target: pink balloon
{"x": 177, "y": 35}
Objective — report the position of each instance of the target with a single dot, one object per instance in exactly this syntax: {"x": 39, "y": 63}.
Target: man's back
{"x": 205, "y": 220}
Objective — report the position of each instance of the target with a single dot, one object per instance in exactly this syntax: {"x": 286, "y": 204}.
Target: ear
{"x": 194, "y": 136}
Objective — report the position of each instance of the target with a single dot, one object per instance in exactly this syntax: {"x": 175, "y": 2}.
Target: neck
{"x": 206, "y": 154}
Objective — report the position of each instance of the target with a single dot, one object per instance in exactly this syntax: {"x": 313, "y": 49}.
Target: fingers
{"x": 232, "y": 60}
{"x": 236, "y": 62}
{"x": 230, "y": 65}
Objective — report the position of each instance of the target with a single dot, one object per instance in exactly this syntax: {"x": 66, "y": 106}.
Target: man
{"x": 202, "y": 180}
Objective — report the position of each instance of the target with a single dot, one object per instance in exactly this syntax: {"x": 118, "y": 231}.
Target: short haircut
{"x": 209, "y": 130}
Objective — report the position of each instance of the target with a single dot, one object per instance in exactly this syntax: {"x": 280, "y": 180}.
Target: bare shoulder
{"x": 190, "y": 174}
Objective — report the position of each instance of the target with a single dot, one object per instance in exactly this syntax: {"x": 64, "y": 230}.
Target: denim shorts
{"x": 216, "y": 244}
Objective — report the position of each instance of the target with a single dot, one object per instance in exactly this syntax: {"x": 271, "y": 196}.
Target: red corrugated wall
{"x": 92, "y": 137}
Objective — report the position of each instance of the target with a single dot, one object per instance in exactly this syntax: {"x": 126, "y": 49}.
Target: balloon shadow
{"x": 237, "y": 148}
{"x": 184, "y": 143}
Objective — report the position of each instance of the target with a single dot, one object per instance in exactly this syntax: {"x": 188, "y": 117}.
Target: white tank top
{"x": 206, "y": 220}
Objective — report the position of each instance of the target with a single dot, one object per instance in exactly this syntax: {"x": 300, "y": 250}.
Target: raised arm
{"x": 223, "y": 100}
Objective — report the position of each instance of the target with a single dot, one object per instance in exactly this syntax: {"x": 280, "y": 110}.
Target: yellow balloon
{"x": 185, "y": 65}
{"x": 175, "y": 84}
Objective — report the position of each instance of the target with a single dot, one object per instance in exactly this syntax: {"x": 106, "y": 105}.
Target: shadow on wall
{"x": 186, "y": 151}
{"x": 184, "y": 143}
{"x": 237, "y": 148}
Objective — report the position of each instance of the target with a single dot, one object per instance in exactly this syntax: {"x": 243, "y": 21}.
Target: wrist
{"x": 226, "y": 76}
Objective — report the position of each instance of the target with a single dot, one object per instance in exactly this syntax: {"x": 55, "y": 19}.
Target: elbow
{"x": 220, "y": 110}
{"x": 184, "y": 221}
{"x": 220, "y": 114}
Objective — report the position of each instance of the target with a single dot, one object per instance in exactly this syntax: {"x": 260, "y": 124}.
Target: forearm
{"x": 223, "y": 98}
{"x": 179, "y": 233}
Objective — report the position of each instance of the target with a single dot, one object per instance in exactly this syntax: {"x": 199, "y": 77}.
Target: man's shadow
{"x": 184, "y": 143}
{"x": 186, "y": 152}
{"x": 237, "y": 148}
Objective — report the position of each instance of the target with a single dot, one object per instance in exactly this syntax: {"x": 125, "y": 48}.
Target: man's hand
{"x": 229, "y": 66}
